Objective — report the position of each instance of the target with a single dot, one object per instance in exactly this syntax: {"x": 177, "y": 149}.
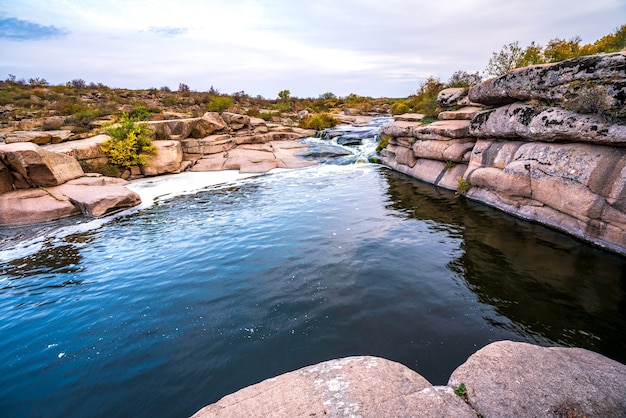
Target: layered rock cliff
{"x": 549, "y": 146}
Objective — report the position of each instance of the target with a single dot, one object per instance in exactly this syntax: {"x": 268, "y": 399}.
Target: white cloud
{"x": 362, "y": 46}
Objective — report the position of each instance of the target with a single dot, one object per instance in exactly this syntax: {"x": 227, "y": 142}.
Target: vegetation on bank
{"x": 86, "y": 108}
{"x": 130, "y": 143}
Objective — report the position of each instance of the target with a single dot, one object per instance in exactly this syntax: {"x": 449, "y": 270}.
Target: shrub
{"x": 130, "y": 143}
{"x": 220, "y": 103}
{"x": 108, "y": 170}
{"x": 142, "y": 112}
{"x": 82, "y": 120}
{"x": 463, "y": 186}
{"x": 463, "y": 79}
{"x": 587, "y": 98}
{"x": 252, "y": 112}
{"x": 382, "y": 143}
{"x": 425, "y": 99}
{"x": 319, "y": 121}
{"x": 400, "y": 108}
{"x": 170, "y": 101}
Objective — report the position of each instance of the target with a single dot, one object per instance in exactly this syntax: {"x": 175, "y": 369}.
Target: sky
{"x": 376, "y": 48}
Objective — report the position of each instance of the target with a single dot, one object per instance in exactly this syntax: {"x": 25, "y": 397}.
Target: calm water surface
{"x": 165, "y": 309}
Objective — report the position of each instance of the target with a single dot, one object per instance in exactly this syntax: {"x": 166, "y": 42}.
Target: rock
{"x": 438, "y": 173}
{"x": 442, "y": 130}
{"x": 577, "y": 188}
{"x": 518, "y": 379}
{"x": 600, "y": 79}
{"x": 167, "y": 159}
{"x": 38, "y": 137}
{"x": 235, "y": 120}
{"x": 454, "y": 150}
{"x": 348, "y": 140}
{"x": 401, "y": 128}
{"x": 208, "y": 124}
{"x": 285, "y": 154}
{"x": 211, "y": 144}
{"x": 81, "y": 149}
{"x": 548, "y": 124}
{"x": 353, "y": 386}
{"x": 97, "y": 196}
{"x": 464, "y": 113}
{"x": 25, "y": 207}
{"x": 211, "y": 162}
{"x": 323, "y": 152}
{"x": 403, "y": 155}
{"x": 250, "y": 161}
{"x": 258, "y": 125}
{"x": 176, "y": 129}
{"x": 53, "y": 122}
{"x": 39, "y": 167}
{"x": 6, "y": 179}
{"x": 450, "y": 97}
{"x": 409, "y": 117}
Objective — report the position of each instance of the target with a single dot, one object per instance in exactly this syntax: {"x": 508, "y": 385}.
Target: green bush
{"x": 319, "y": 121}
{"x": 220, "y": 103}
{"x": 400, "y": 108}
{"x": 130, "y": 143}
{"x": 425, "y": 99}
{"x": 382, "y": 143}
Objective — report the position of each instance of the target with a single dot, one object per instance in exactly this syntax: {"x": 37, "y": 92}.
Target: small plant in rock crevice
{"x": 463, "y": 186}
{"x": 461, "y": 391}
{"x": 382, "y": 143}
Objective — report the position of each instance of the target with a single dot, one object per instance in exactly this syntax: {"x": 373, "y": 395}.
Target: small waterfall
{"x": 347, "y": 144}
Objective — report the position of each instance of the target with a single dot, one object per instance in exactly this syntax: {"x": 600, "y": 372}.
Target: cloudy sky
{"x": 378, "y": 48}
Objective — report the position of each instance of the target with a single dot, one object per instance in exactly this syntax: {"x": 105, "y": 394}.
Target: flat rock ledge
{"x": 502, "y": 379}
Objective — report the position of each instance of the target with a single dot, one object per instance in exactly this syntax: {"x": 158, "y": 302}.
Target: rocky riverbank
{"x": 41, "y": 181}
{"x": 546, "y": 143}
{"x": 502, "y": 379}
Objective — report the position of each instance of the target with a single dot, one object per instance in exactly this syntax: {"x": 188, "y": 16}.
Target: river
{"x": 218, "y": 281}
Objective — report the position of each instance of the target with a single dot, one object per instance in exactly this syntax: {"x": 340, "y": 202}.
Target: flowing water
{"x": 219, "y": 281}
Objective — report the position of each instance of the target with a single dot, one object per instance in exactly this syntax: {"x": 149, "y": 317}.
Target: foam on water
{"x": 23, "y": 241}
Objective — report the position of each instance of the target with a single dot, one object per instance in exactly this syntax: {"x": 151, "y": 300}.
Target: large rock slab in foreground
{"x": 32, "y": 206}
{"x": 503, "y": 379}
{"x": 508, "y": 379}
{"x": 352, "y": 386}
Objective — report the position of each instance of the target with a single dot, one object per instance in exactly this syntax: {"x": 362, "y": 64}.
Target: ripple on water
{"x": 168, "y": 307}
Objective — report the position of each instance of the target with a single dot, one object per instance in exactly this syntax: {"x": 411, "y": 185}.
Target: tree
{"x": 77, "y": 83}
{"x": 220, "y": 103}
{"x": 464, "y": 79}
{"x": 183, "y": 88}
{"x": 284, "y": 95}
{"x": 327, "y": 96}
{"x": 613, "y": 42}
{"x": 504, "y": 61}
{"x": 533, "y": 54}
{"x": 561, "y": 49}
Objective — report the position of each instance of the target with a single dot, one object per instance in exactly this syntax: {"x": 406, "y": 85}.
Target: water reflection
{"x": 544, "y": 281}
